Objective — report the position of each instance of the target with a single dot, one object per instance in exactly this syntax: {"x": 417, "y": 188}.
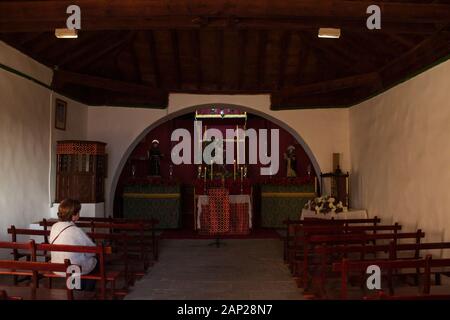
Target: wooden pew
{"x": 142, "y": 241}
{"x": 100, "y": 251}
{"x": 34, "y": 269}
{"x": 345, "y": 267}
{"x": 333, "y": 253}
{"x": 291, "y": 224}
{"x": 299, "y": 243}
{"x": 4, "y": 296}
{"x": 119, "y": 239}
{"x": 310, "y": 241}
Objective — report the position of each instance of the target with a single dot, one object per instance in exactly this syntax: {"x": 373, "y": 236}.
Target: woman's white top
{"x": 73, "y": 236}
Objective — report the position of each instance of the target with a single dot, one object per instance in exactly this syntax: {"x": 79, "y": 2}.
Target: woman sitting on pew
{"x": 65, "y": 232}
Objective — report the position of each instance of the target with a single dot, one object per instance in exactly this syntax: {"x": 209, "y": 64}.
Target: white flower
{"x": 345, "y": 209}
{"x": 331, "y": 200}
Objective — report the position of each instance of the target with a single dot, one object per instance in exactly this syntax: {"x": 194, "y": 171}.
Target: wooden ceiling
{"x": 133, "y": 52}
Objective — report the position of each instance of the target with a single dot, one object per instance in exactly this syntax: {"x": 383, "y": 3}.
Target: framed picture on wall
{"x": 60, "y": 114}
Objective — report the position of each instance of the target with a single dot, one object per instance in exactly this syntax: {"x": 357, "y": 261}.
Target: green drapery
{"x": 153, "y": 201}
{"x": 280, "y": 202}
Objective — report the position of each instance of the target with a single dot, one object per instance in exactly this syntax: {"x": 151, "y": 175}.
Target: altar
{"x": 241, "y": 212}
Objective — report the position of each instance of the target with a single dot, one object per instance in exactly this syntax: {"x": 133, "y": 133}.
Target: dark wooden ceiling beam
{"x": 187, "y": 23}
{"x": 33, "y": 16}
{"x": 63, "y": 78}
{"x": 427, "y": 52}
{"x": 368, "y": 79}
{"x": 19, "y": 11}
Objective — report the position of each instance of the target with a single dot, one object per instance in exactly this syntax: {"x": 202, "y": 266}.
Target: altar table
{"x": 350, "y": 214}
{"x": 237, "y": 199}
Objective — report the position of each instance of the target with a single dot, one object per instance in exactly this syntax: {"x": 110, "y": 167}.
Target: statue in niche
{"x": 155, "y": 156}
{"x": 291, "y": 161}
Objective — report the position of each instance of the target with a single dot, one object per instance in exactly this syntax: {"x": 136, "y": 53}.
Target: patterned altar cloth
{"x": 240, "y": 213}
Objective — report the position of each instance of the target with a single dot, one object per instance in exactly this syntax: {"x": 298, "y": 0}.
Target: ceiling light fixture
{"x": 65, "y": 33}
{"x": 330, "y": 33}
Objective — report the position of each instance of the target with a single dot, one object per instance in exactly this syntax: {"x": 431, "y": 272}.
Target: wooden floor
{"x": 242, "y": 269}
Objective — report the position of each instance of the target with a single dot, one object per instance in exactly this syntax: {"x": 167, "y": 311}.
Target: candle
{"x": 242, "y": 173}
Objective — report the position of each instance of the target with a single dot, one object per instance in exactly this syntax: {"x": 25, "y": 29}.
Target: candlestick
{"x": 204, "y": 176}
{"x": 199, "y": 175}
{"x": 234, "y": 170}
{"x": 211, "y": 170}
{"x": 242, "y": 173}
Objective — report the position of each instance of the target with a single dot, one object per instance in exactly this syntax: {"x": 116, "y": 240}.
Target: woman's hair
{"x": 68, "y": 208}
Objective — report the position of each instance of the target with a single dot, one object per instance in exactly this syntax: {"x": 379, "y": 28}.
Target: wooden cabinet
{"x": 81, "y": 171}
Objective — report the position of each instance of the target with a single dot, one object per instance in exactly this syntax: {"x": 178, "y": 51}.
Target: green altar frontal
{"x": 280, "y": 202}
{"x": 150, "y": 201}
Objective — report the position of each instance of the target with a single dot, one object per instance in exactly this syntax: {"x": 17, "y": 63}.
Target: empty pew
{"x": 310, "y": 241}
{"x": 35, "y": 269}
{"x": 4, "y": 296}
{"x": 294, "y": 226}
{"x": 299, "y": 243}
{"x": 345, "y": 267}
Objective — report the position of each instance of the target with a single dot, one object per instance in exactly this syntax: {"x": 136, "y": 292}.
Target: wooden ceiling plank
{"x": 242, "y": 45}
{"x": 176, "y": 58}
{"x": 282, "y": 57}
{"x": 262, "y": 53}
{"x": 219, "y": 59}
{"x": 197, "y": 55}
{"x": 111, "y": 46}
{"x": 141, "y": 50}
{"x": 154, "y": 57}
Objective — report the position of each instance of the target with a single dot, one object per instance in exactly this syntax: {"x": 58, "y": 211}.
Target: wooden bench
{"x": 333, "y": 253}
{"x": 119, "y": 254}
{"x": 291, "y": 224}
{"x": 34, "y": 269}
{"x": 143, "y": 241}
{"x": 310, "y": 241}
{"x": 345, "y": 267}
{"x": 31, "y": 252}
{"x": 4, "y": 296}
{"x": 100, "y": 251}
{"x": 297, "y": 249}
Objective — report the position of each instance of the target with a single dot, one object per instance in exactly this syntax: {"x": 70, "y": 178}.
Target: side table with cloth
{"x": 350, "y": 214}
{"x": 240, "y": 213}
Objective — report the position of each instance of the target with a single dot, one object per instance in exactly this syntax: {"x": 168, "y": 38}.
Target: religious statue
{"x": 155, "y": 156}
{"x": 291, "y": 161}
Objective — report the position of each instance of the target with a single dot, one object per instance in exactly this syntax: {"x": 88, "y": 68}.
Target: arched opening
{"x": 135, "y": 165}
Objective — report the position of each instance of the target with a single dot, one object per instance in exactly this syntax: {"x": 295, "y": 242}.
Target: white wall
{"x": 400, "y": 153}
{"x": 324, "y": 130}
{"x": 26, "y": 132}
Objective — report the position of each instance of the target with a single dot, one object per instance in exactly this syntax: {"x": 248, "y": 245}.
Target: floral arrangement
{"x": 325, "y": 204}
